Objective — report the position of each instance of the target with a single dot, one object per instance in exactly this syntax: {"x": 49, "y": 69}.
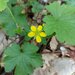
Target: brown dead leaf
{"x": 71, "y": 54}
{"x": 53, "y": 44}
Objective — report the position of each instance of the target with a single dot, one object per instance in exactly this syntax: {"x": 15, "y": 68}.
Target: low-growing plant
{"x": 19, "y": 18}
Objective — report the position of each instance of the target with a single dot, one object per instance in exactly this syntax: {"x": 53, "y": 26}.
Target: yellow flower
{"x": 37, "y": 33}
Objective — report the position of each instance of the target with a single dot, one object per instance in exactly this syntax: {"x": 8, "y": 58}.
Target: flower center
{"x": 37, "y": 33}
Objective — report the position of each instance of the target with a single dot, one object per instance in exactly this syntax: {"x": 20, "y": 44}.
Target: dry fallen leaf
{"x": 71, "y": 54}
{"x": 54, "y": 65}
{"x": 53, "y": 44}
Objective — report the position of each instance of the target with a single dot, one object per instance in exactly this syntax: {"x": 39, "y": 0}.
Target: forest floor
{"x": 59, "y": 60}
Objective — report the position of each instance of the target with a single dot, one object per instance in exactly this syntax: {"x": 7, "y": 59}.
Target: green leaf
{"x": 19, "y": 30}
{"x": 8, "y": 23}
{"x": 12, "y": 2}
{"x": 10, "y": 29}
{"x": 3, "y": 4}
{"x": 23, "y": 59}
{"x": 61, "y": 21}
{"x": 20, "y": 18}
{"x": 36, "y": 7}
{"x": 70, "y": 2}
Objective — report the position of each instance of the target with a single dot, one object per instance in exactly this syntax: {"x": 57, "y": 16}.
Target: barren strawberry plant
{"x": 34, "y": 23}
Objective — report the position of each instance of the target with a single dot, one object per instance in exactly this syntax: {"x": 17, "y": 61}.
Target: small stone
{"x": 63, "y": 50}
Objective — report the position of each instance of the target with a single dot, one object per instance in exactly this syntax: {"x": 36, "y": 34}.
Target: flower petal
{"x": 38, "y": 39}
{"x": 42, "y": 34}
{"x": 33, "y": 28}
{"x": 31, "y": 34}
{"x": 39, "y": 28}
